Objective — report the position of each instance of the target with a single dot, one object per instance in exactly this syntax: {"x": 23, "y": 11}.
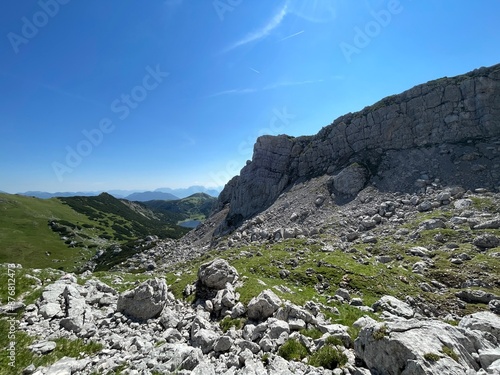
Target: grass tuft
{"x": 293, "y": 350}
{"x": 328, "y": 357}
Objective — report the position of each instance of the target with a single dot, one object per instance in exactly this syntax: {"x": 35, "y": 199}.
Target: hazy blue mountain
{"x": 46, "y": 195}
{"x": 151, "y": 196}
{"x": 126, "y": 194}
{"x": 186, "y": 192}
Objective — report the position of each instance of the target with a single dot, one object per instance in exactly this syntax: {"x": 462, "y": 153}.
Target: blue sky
{"x": 101, "y": 95}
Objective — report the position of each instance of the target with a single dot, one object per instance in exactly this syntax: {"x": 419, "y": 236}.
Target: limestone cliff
{"x": 439, "y": 130}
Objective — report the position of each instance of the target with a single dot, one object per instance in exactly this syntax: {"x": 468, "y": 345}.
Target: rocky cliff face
{"x": 439, "y": 130}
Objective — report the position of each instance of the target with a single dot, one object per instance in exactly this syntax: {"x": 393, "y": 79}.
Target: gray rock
{"x": 486, "y": 241}
{"x": 482, "y": 321}
{"x": 204, "y": 368}
{"x": 391, "y": 345}
{"x": 29, "y": 370}
{"x": 494, "y": 306}
{"x": 67, "y": 366}
{"x": 277, "y": 328}
{"x": 181, "y": 357}
{"x": 223, "y": 344}
{"x": 169, "y": 318}
{"x": 216, "y": 274}
{"x": 432, "y": 224}
{"x": 350, "y": 180}
{"x": 172, "y": 335}
{"x": 424, "y": 206}
{"x": 490, "y": 224}
{"x": 51, "y": 310}
{"x": 462, "y": 204}
{"x": 384, "y": 259}
{"x": 344, "y": 294}
{"x": 488, "y": 356}
{"x": 475, "y": 296}
{"x": 145, "y": 301}
{"x": 394, "y": 306}
{"x": 42, "y": 347}
{"x": 238, "y": 310}
{"x": 204, "y": 339}
{"x": 264, "y": 305}
{"x": 418, "y": 251}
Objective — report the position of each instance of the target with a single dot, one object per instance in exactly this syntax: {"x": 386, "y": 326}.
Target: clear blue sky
{"x": 175, "y": 92}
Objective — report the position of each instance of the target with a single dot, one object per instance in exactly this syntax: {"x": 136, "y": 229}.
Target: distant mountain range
{"x": 133, "y": 195}
{"x": 151, "y": 196}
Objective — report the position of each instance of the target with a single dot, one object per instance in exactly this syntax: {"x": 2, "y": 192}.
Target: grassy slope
{"x": 25, "y": 235}
{"x": 127, "y": 223}
{"x": 259, "y": 266}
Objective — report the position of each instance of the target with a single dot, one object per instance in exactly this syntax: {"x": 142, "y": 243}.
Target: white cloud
{"x": 262, "y": 32}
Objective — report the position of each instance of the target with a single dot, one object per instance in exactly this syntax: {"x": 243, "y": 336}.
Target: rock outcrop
{"x": 442, "y": 127}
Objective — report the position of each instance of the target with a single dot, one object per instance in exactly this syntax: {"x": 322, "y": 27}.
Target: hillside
{"x": 126, "y": 222}
{"x": 26, "y": 237}
{"x": 66, "y": 232}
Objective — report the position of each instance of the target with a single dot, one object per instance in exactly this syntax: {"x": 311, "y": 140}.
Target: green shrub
{"x": 328, "y": 357}
{"x": 293, "y": 350}
{"x": 227, "y": 323}
{"x": 335, "y": 341}
{"x": 380, "y": 333}
{"x": 450, "y": 352}
{"x": 432, "y": 357}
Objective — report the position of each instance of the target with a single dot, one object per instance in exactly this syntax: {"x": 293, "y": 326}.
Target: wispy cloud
{"x": 254, "y": 70}
{"x": 272, "y": 86}
{"x": 262, "y": 32}
{"x": 290, "y": 83}
{"x": 233, "y": 92}
{"x": 290, "y": 36}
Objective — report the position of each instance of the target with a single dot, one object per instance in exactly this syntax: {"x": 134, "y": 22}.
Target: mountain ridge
{"x": 447, "y": 111}
{"x": 178, "y": 193}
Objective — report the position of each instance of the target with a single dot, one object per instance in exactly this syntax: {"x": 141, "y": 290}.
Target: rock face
{"x": 428, "y": 124}
{"x": 144, "y": 302}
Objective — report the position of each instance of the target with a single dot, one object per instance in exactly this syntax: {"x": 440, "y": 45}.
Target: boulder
{"x": 264, "y": 305}
{"x": 350, "y": 180}
{"x": 475, "y": 296}
{"x": 216, "y": 274}
{"x": 414, "y": 347}
{"x": 145, "y": 301}
{"x": 486, "y": 241}
{"x": 394, "y": 306}
{"x": 204, "y": 339}
{"x": 482, "y": 321}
